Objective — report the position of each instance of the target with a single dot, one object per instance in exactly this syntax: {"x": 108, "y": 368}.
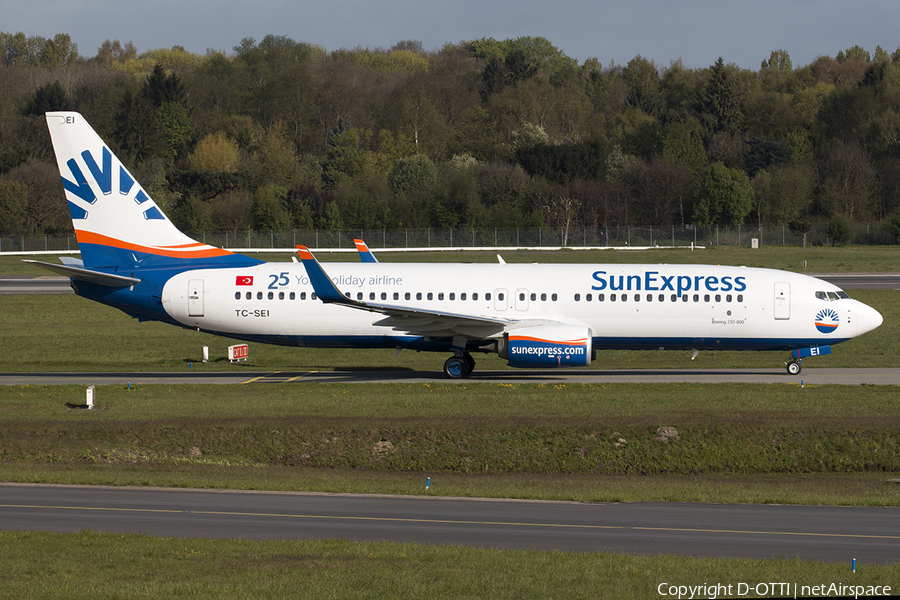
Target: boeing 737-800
{"x": 532, "y": 315}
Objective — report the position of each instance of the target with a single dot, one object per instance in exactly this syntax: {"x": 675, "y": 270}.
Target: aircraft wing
{"x": 80, "y": 274}
{"x": 418, "y": 321}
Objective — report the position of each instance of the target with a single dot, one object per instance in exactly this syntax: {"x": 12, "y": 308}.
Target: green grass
{"x": 784, "y": 444}
{"x": 95, "y": 565}
{"x": 764, "y": 443}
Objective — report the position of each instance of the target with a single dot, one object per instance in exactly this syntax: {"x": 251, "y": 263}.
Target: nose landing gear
{"x": 793, "y": 366}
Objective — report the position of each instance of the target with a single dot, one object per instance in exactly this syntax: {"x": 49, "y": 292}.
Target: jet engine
{"x": 545, "y": 346}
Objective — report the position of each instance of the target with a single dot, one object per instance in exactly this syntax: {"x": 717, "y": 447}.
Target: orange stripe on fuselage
{"x": 520, "y": 338}
{"x": 203, "y": 251}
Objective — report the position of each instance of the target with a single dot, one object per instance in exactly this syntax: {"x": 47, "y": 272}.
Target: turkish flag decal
{"x": 243, "y": 280}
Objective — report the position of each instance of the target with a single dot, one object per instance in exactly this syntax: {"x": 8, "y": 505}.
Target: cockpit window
{"x": 831, "y": 296}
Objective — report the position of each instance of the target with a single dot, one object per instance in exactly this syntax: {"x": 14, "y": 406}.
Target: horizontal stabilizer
{"x": 87, "y": 275}
{"x": 72, "y": 261}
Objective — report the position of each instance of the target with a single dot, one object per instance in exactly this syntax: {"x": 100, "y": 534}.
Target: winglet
{"x": 364, "y": 253}
{"x": 322, "y": 284}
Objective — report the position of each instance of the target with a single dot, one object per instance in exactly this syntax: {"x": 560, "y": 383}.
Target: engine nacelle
{"x": 545, "y": 346}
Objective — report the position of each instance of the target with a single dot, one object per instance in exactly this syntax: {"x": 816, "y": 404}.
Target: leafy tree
{"x": 532, "y": 54}
{"x": 215, "y": 152}
{"x": 857, "y": 53}
{"x": 456, "y": 193}
{"x": 559, "y": 164}
{"x": 618, "y": 162}
{"x": 528, "y": 135}
{"x": 275, "y": 160}
{"x": 110, "y": 52}
{"x": 763, "y": 154}
{"x": 136, "y": 129}
{"x": 176, "y": 127}
{"x": 642, "y": 77}
{"x": 364, "y": 203}
{"x": 203, "y": 184}
{"x": 724, "y": 197}
{"x": 663, "y": 189}
{"x": 191, "y": 214}
{"x": 508, "y": 195}
{"x": 784, "y": 193}
{"x": 838, "y": 229}
{"x": 45, "y": 212}
{"x": 720, "y": 100}
{"x": 160, "y": 88}
{"x": 413, "y": 173}
{"x": 232, "y": 211}
{"x": 13, "y": 49}
{"x": 678, "y": 89}
{"x": 47, "y": 98}
{"x": 779, "y": 60}
{"x": 267, "y": 209}
{"x": 893, "y": 225}
{"x": 13, "y": 202}
{"x": 848, "y": 181}
{"x": 333, "y": 220}
{"x": 682, "y": 146}
{"x": 800, "y": 227}
{"x": 412, "y": 182}
{"x": 59, "y": 52}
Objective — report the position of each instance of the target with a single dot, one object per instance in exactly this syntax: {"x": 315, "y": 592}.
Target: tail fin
{"x": 118, "y": 226}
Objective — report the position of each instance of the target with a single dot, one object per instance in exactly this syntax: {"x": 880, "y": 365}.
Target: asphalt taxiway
{"x": 815, "y": 376}
{"x": 828, "y": 533}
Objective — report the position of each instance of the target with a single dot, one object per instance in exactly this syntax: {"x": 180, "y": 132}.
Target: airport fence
{"x": 546, "y": 237}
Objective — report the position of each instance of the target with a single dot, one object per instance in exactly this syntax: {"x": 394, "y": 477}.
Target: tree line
{"x": 280, "y": 134}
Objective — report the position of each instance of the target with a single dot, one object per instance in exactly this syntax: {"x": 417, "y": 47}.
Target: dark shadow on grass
{"x": 79, "y": 406}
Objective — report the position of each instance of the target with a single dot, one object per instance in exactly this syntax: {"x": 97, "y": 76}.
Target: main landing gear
{"x": 459, "y": 366}
{"x": 793, "y": 366}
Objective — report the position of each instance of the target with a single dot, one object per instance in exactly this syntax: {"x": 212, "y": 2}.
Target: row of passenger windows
{"x": 661, "y": 298}
{"x": 501, "y": 296}
{"x": 271, "y": 296}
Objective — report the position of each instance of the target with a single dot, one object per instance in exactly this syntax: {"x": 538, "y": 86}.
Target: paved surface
{"x": 21, "y": 285}
{"x": 837, "y": 534}
{"x": 885, "y": 376}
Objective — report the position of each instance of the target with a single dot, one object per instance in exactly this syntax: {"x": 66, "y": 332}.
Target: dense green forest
{"x": 280, "y": 135}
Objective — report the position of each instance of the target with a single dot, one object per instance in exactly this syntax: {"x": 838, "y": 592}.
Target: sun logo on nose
{"x": 827, "y": 320}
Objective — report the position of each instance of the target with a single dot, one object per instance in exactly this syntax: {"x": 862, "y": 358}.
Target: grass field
{"x": 735, "y": 443}
{"x": 623, "y": 442}
{"x": 94, "y": 565}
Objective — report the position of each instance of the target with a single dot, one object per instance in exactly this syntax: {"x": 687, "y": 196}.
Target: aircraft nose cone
{"x": 867, "y": 319}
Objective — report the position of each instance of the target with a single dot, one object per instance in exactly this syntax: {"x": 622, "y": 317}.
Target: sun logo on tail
{"x": 827, "y": 320}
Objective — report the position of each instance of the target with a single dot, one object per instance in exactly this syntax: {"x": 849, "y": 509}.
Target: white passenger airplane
{"x": 532, "y": 315}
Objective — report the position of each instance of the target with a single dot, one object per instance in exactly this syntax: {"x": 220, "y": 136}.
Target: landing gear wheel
{"x": 793, "y": 367}
{"x": 470, "y": 364}
{"x": 455, "y": 367}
